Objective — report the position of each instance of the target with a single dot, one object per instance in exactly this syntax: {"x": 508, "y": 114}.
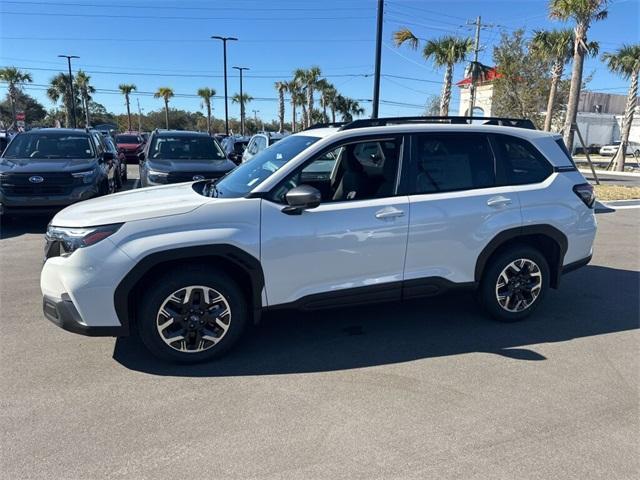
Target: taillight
{"x": 586, "y": 193}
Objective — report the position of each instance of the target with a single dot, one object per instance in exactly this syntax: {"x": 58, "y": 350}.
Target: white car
{"x": 328, "y": 216}
{"x": 259, "y": 142}
{"x": 610, "y": 150}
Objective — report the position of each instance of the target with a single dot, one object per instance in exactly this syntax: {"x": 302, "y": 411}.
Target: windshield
{"x": 50, "y": 146}
{"x": 128, "y": 139}
{"x": 185, "y": 147}
{"x": 240, "y": 181}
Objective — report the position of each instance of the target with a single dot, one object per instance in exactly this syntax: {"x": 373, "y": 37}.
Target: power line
{"x": 83, "y": 65}
{"x": 338, "y": 75}
{"x": 160, "y": 17}
{"x": 185, "y": 75}
{"x": 432, "y": 12}
{"x": 173, "y": 7}
{"x": 186, "y": 40}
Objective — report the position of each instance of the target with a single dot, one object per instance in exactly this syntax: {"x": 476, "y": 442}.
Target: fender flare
{"x": 513, "y": 233}
{"x": 240, "y": 258}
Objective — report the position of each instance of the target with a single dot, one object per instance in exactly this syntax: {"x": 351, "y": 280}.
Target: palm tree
{"x": 14, "y": 78}
{"x": 165, "y": 93}
{"x": 207, "y": 94}
{"x": 582, "y": 12}
{"x": 85, "y": 90}
{"x": 59, "y": 89}
{"x": 327, "y": 92}
{"x": 348, "y": 107}
{"x": 331, "y": 97}
{"x": 445, "y": 52}
{"x": 301, "y": 99}
{"x": 242, "y": 100}
{"x": 126, "y": 90}
{"x": 309, "y": 79}
{"x": 625, "y": 62}
{"x": 281, "y": 87}
{"x": 293, "y": 87}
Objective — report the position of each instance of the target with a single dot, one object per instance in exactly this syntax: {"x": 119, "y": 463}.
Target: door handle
{"x": 389, "y": 213}
{"x": 499, "y": 201}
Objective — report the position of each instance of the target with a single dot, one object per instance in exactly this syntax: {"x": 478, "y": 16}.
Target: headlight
{"x": 156, "y": 176}
{"x": 69, "y": 239}
{"x": 87, "y": 177}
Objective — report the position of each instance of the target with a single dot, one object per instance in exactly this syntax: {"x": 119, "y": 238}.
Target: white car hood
{"x": 144, "y": 203}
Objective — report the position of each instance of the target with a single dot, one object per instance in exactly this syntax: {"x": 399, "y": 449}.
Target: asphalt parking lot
{"x": 428, "y": 389}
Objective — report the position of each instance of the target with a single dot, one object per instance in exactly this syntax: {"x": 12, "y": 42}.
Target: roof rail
{"x": 454, "y": 120}
{"x": 326, "y": 125}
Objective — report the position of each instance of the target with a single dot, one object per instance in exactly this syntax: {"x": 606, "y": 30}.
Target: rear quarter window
{"x": 519, "y": 162}
{"x": 563, "y": 147}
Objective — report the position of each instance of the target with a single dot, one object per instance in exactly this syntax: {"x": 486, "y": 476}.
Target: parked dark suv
{"x": 50, "y": 168}
{"x": 173, "y": 156}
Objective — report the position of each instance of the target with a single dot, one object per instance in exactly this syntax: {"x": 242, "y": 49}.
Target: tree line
{"x": 301, "y": 89}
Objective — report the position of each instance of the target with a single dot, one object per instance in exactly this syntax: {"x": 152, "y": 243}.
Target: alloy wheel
{"x": 193, "y": 319}
{"x": 519, "y": 285}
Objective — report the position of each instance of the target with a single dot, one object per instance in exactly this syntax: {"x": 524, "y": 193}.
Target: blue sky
{"x": 118, "y": 42}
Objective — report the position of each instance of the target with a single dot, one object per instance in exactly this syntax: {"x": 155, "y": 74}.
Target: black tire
{"x": 104, "y": 188}
{"x": 488, "y": 292}
{"x": 156, "y": 294}
{"x": 117, "y": 181}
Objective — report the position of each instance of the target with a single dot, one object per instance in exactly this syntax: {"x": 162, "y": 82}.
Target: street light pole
{"x": 240, "y": 69}
{"x": 226, "y": 101}
{"x": 376, "y": 73}
{"x": 73, "y": 94}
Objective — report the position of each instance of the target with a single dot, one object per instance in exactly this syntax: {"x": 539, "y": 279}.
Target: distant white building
{"x": 484, "y": 95}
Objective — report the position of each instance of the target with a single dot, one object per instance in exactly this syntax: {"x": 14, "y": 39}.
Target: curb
{"x": 607, "y": 172}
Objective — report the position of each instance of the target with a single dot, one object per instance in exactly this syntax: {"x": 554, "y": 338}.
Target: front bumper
{"x": 26, "y": 203}
{"x": 64, "y": 314}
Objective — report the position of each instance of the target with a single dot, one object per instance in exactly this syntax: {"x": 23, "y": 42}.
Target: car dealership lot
{"x": 428, "y": 389}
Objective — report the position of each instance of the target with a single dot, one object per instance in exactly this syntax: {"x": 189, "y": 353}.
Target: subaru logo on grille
{"x": 36, "y": 179}
{"x": 198, "y": 177}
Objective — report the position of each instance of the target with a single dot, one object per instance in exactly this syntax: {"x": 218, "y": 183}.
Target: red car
{"x": 131, "y": 144}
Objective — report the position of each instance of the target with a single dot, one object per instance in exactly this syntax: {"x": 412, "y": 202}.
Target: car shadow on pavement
{"x": 11, "y": 226}
{"x": 595, "y": 300}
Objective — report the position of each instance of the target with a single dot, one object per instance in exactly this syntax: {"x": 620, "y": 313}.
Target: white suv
{"x": 328, "y": 216}
{"x": 259, "y": 142}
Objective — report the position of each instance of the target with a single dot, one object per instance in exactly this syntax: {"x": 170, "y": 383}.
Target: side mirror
{"x": 141, "y": 156}
{"x": 302, "y": 198}
{"x": 107, "y": 157}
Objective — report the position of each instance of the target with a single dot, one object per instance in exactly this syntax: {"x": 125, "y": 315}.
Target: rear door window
{"x": 445, "y": 162}
{"x": 519, "y": 162}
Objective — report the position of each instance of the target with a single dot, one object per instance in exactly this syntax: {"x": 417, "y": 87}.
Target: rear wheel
{"x": 192, "y": 315}
{"x": 117, "y": 181}
{"x": 514, "y": 283}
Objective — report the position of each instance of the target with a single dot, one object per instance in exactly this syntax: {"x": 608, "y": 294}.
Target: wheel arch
{"x": 550, "y": 241}
{"x": 243, "y": 267}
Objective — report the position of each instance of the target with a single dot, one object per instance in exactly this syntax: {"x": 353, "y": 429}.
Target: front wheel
{"x": 192, "y": 315}
{"x": 514, "y": 283}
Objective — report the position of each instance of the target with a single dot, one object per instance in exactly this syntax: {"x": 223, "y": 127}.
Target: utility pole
{"x": 73, "y": 94}
{"x": 226, "y": 101}
{"x": 240, "y": 69}
{"x": 139, "y": 116}
{"x": 474, "y": 65}
{"x": 255, "y": 117}
{"x": 378, "y": 58}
